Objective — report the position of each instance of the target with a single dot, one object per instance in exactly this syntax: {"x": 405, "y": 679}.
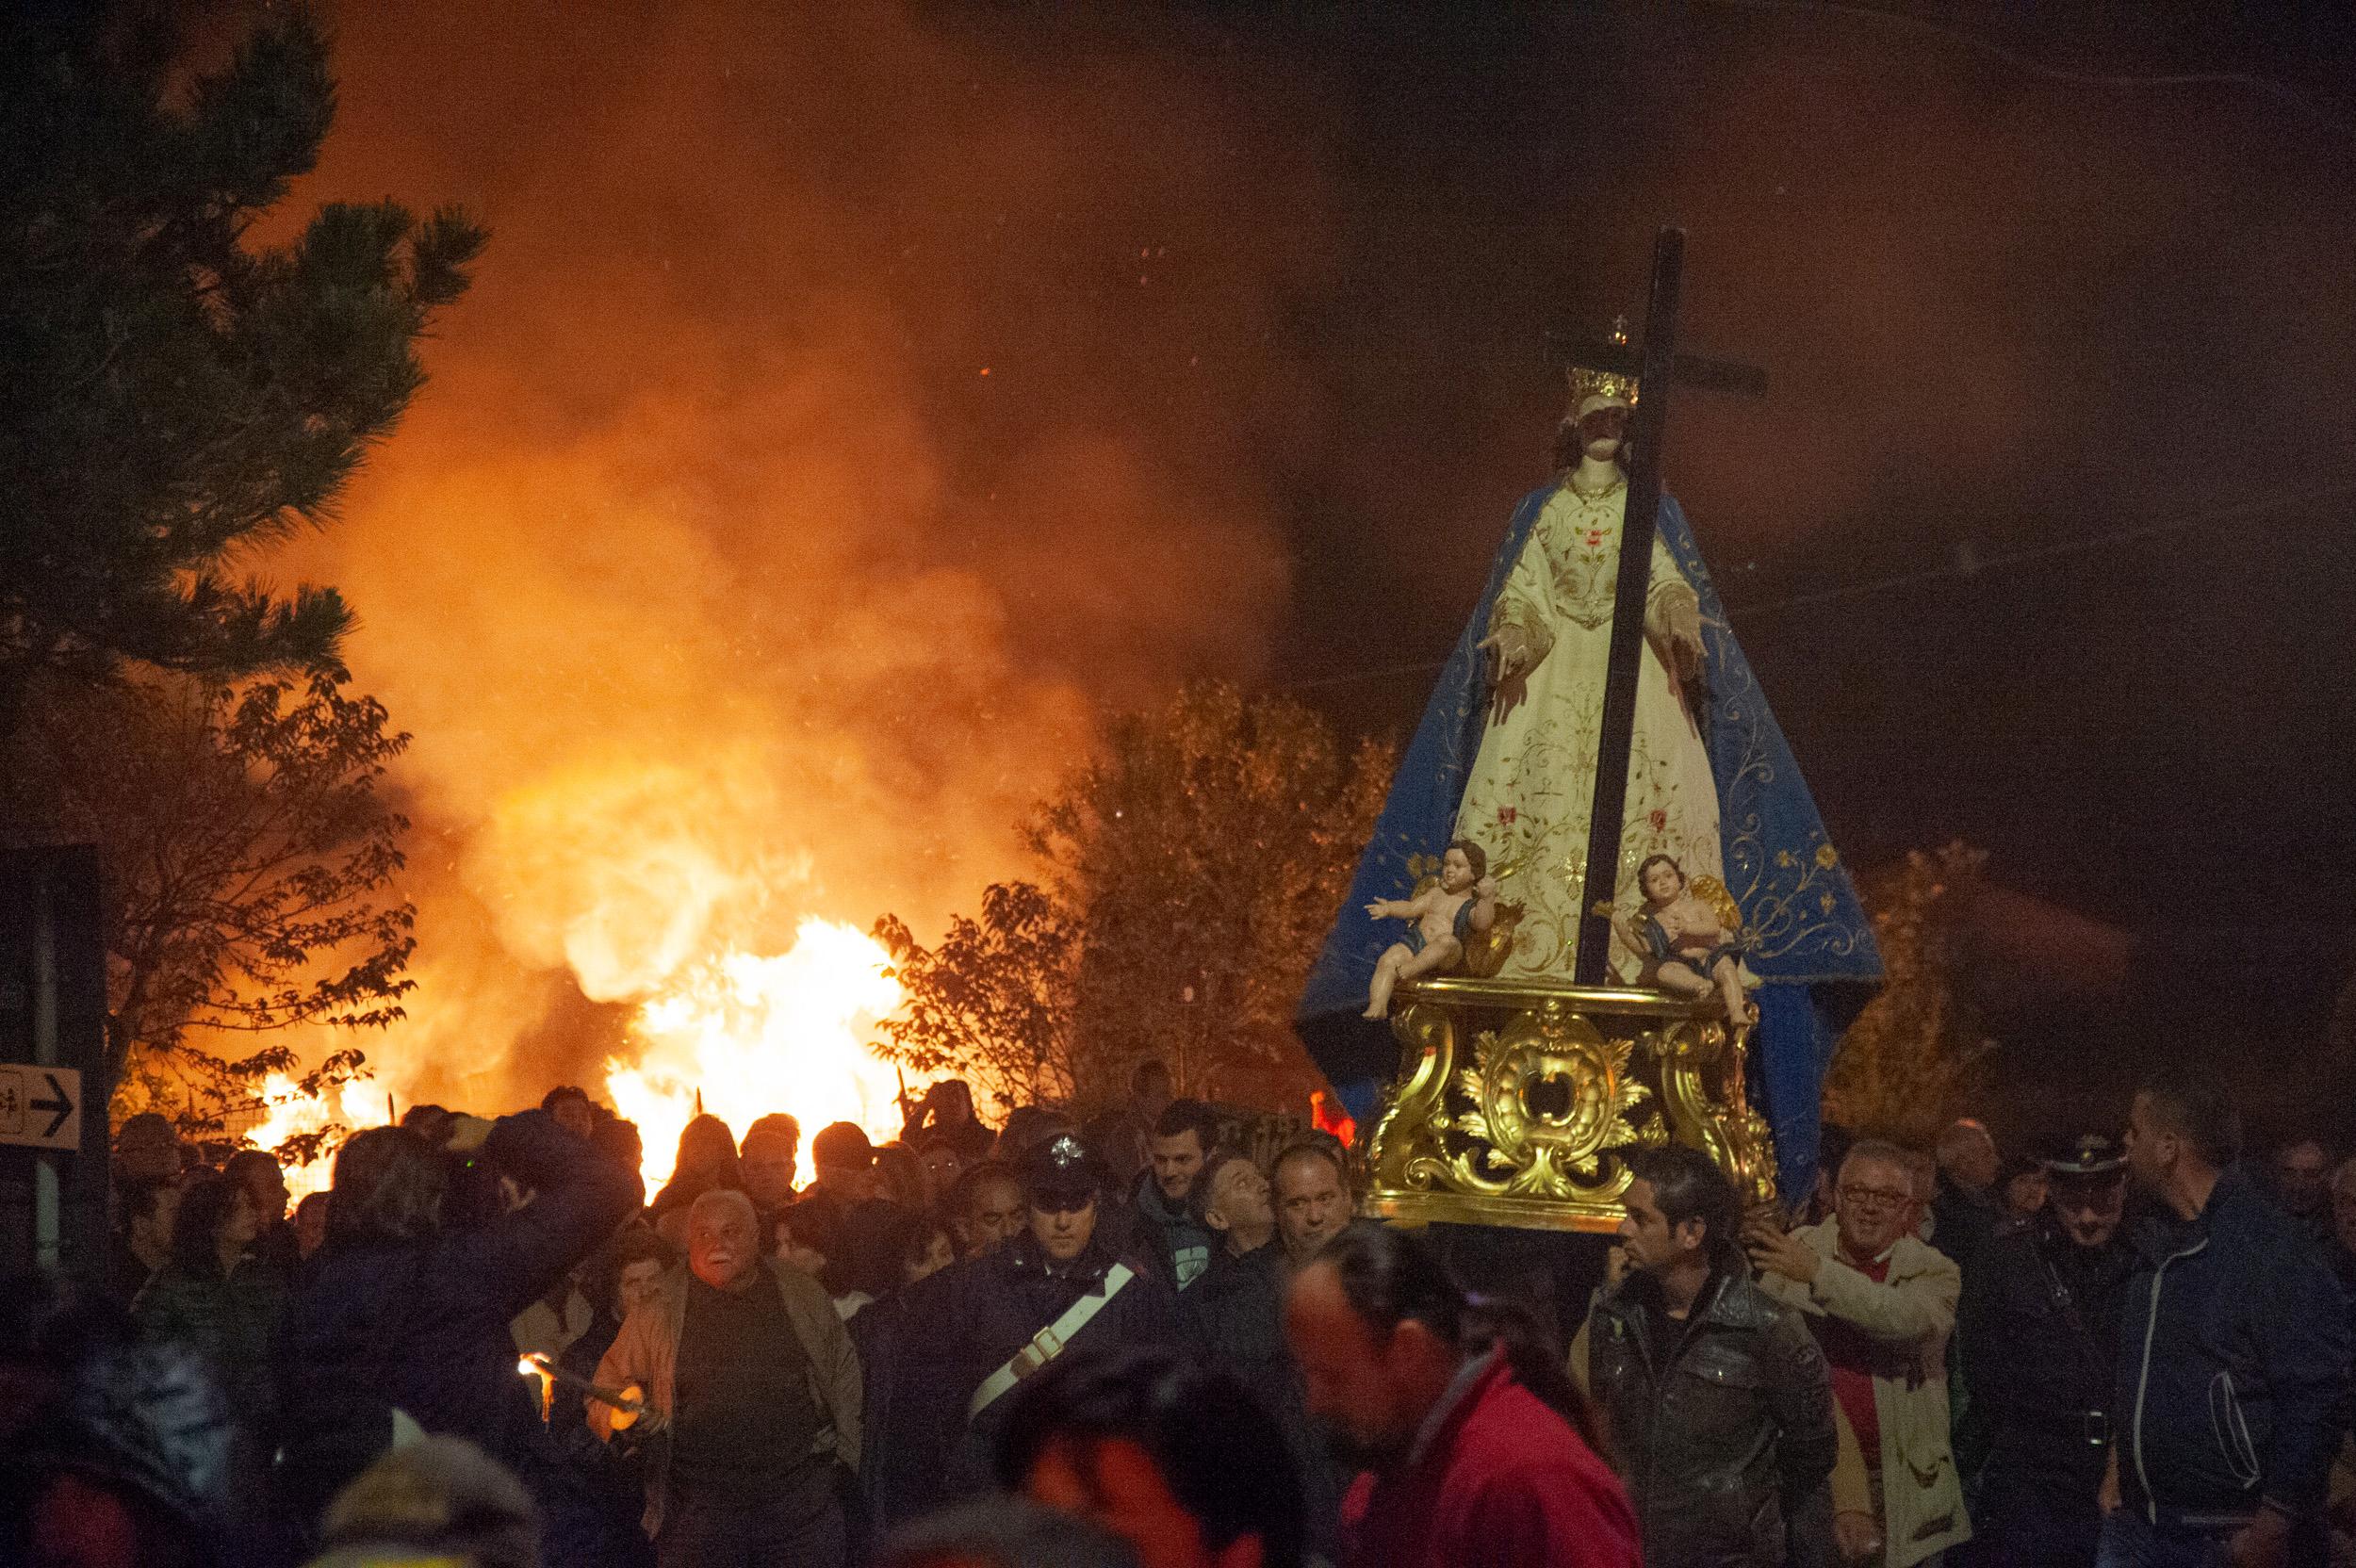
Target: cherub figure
{"x": 1465, "y": 901}
{"x": 1688, "y": 947}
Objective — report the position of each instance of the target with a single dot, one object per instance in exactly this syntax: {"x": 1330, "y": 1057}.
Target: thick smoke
{"x": 842, "y": 412}
{"x": 721, "y": 585}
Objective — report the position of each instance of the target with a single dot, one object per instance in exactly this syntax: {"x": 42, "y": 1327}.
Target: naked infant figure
{"x": 1683, "y": 941}
{"x": 1465, "y": 901}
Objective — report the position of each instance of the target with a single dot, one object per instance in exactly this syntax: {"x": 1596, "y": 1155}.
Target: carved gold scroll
{"x": 1516, "y": 1103}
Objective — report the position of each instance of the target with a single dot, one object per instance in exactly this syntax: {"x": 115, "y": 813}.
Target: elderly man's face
{"x": 722, "y": 1244}
{"x": 996, "y": 1212}
{"x": 1873, "y": 1207}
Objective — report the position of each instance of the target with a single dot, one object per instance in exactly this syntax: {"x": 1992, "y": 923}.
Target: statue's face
{"x": 1455, "y": 871}
{"x": 1661, "y": 882}
{"x": 1602, "y": 430}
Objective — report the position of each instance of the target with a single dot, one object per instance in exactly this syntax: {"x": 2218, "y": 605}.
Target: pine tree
{"x": 173, "y": 398}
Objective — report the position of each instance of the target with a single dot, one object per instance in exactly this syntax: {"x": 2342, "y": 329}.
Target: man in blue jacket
{"x": 2234, "y": 1356}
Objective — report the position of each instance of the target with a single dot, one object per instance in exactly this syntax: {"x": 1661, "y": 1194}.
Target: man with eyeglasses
{"x": 1882, "y": 1303}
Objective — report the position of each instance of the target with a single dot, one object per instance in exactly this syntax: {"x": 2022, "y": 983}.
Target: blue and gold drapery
{"x": 1809, "y": 942}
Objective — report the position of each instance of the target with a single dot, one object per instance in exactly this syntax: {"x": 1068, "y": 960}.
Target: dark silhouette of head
{"x": 1221, "y": 1489}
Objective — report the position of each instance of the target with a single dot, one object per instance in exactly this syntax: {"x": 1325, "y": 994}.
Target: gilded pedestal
{"x": 1516, "y": 1103}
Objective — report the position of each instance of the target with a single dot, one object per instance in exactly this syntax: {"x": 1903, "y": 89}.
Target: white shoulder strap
{"x": 1047, "y": 1343}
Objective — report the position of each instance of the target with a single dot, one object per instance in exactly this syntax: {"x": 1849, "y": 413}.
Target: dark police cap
{"x": 2087, "y": 1154}
{"x": 1062, "y": 1167}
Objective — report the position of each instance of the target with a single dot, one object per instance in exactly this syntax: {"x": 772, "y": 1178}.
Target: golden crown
{"x": 1588, "y": 382}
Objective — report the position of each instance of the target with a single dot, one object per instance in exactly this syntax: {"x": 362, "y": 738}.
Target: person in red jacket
{"x": 1463, "y": 1465}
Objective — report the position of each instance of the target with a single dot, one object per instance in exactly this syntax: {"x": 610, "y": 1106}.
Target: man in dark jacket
{"x": 2232, "y": 1355}
{"x": 1718, "y": 1398}
{"x": 2039, "y": 1331}
{"x": 1967, "y": 1208}
{"x": 402, "y": 1320}
{"x": 1237, "y": 1310}
{"x": 1234, "y": 1202}
{"x": 969, "y": 1333}
{"x": 1165, "y": 1231}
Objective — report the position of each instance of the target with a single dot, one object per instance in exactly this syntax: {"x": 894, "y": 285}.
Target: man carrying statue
{"x": 1726, "y": 883}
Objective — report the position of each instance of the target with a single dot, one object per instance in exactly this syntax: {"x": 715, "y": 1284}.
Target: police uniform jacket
{"x": 2036, "y": 1334}
{"x": 962, "y": 1323}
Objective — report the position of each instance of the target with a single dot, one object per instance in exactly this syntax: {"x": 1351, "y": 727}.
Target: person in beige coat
{"x": 1882, "y": 1304}
{"x": 751, "y": 1402}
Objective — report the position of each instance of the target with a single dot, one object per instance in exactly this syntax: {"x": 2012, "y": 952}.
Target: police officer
{"x": 2038, "y": 1332}
{"x": 969, "y": 1334}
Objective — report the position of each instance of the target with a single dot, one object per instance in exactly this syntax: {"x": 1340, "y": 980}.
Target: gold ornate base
{"x": 1517, "y": 1100}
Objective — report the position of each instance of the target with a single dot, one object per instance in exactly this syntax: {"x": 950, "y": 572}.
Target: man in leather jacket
{"x": 1718, "y": 1400}
{"x": 2038, "y": 1333}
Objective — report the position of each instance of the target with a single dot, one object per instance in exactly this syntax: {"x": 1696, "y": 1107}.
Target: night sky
{"x": 1218, "y": 339}
{"x": 2000, "y": 315}
{"x": 2042, "y": 535}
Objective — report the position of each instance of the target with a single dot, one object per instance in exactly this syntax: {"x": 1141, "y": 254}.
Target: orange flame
{"x": 755, "y": 1035}
{"x": 292, "y": 1113}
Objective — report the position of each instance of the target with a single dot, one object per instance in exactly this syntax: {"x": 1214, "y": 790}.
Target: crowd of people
{"x": 1155, "y": 1340}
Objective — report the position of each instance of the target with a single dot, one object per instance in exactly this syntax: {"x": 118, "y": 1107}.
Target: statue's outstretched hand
{"x": 1485, "y": 888}
{"x": 1508, "y": 651}
{"x": 1511, "y": 694}
{"x": 1684, "y": 637}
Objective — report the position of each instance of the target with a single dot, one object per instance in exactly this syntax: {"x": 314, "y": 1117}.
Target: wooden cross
{"x": 1656, "y": 364}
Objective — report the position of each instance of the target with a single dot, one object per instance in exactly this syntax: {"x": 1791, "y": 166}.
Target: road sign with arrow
{"x": 41, "y": 1106}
